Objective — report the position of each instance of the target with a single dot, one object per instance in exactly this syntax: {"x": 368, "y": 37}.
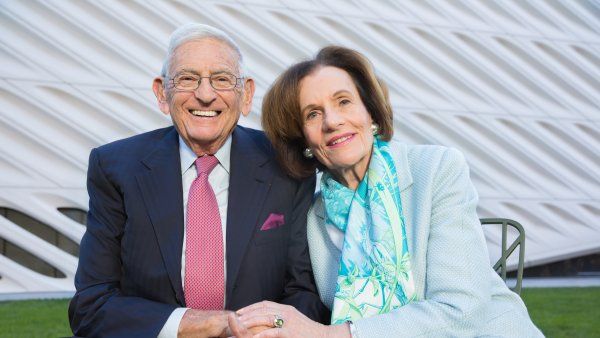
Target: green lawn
{"x": 565, "y": 312}
{"x": 34, "y": 318}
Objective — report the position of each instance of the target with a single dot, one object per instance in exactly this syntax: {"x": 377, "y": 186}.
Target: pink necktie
{"x": 204, "y": 276}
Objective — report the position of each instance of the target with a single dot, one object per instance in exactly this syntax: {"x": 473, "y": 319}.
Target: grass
{"x": 561, "y": 312}
{"x": 565, "y": 312}
{"x": 34, "y": 318}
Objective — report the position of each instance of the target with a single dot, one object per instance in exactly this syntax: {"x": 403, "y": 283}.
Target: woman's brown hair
{"x": 281, "y": 116}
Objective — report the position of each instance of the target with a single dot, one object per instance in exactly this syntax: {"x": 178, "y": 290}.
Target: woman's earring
{"x": 374, "y": 128}
{"x": 308, "y": 153}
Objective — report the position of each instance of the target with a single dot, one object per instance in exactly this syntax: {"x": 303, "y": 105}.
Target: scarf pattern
{"x": 374, "y": 275}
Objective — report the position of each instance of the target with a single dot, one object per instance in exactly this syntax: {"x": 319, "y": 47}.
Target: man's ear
{"x": 159, "y": 91}
{"x": 248, "y": 95}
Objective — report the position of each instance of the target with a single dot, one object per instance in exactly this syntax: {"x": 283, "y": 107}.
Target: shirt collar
{"x": 188, "y": 157}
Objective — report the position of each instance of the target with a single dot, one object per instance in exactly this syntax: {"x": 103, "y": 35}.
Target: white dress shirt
{"x": 219, "y": 181}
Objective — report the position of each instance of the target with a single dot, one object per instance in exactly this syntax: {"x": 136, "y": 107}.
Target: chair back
{"x": 507, "y": 249}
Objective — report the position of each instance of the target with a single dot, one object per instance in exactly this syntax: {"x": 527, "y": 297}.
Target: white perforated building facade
{"x": 513, "y": 84}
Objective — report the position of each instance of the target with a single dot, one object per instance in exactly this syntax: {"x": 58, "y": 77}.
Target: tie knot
{"x": 206, "y": 164}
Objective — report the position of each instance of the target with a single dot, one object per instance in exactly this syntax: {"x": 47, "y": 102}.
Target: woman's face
{"x": 336, "y": 124}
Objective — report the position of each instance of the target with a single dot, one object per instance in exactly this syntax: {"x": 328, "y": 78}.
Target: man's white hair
{"x": 196, "y": 31}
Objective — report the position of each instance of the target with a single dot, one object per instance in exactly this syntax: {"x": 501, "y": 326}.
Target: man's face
{"x": 204, "y": 117}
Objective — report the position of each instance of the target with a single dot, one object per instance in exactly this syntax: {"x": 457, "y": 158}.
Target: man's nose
{"x": 205, "y": 92}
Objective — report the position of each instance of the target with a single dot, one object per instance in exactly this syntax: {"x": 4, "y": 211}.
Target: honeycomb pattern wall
{"x": 513, "y": 84}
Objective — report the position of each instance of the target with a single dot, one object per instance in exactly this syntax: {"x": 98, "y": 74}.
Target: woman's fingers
{"x": 269, "y": 315}
{"x": 258, "y": 329}
{"x": 264, "y": 305}
{"x": 261, "y": 314}
{"x": 271, "y": 333}
{"x": 251, "y": 320}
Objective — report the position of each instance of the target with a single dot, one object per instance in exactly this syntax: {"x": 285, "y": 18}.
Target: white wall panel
{"x": 513, "y": 84}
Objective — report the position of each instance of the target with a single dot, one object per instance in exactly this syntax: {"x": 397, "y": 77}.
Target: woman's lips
{"x": 340, "y": 140}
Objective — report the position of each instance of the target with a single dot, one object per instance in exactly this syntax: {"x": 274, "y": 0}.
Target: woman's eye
{"x": 344, "y": 102}
{"x": 311, "y": 115}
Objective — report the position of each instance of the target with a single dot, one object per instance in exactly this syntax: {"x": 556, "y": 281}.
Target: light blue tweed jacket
{"x": 458, "y": 293}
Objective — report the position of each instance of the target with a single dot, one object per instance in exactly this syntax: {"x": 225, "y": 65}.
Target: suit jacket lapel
{"x": 161, "y": 190}
{"x": 249, "y": 183}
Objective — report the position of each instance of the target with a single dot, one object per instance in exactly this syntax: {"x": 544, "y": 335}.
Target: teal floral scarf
{"x": 375, "y": 275}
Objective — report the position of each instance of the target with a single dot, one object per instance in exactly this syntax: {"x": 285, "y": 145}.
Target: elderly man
{"x": 192, "y": 219}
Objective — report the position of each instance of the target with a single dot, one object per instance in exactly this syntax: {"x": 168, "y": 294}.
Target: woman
{"x": 396, "y": 245}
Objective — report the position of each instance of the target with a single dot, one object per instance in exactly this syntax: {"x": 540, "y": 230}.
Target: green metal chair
{"x": 500, "y": 265}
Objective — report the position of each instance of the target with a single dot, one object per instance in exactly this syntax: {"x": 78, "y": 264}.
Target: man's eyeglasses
{"x": 219, "y": 81}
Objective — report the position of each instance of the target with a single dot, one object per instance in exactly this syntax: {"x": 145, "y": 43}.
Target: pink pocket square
{"x": 272, "y": 222}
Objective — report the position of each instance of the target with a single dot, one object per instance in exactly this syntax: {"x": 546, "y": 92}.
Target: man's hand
{"x": 204, "y": 324}
{"x": 237, "y": 329}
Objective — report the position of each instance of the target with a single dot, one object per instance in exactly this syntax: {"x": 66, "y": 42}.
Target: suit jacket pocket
{"x": 274, "y": 236}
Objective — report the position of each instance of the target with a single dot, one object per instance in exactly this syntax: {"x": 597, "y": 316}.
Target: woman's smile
{"x": 340, "y": 140}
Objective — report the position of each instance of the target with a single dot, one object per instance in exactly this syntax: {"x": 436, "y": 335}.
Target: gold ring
{"x": 278, "y": 322}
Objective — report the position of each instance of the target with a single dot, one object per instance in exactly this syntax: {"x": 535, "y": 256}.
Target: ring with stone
{"x": 278, "y": 322}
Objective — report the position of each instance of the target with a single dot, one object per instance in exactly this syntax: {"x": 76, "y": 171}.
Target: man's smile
{"x": 205, "y": 113}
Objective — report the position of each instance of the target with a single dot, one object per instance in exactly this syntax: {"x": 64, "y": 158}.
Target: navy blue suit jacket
{"x": 129, "y": 275}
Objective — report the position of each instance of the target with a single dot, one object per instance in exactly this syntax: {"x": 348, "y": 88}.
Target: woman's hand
{"x": 294, "y": 324}
{"x": 238, "y": 330}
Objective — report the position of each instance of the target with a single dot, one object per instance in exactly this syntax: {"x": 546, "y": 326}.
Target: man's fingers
{"x": 237, "y": 329}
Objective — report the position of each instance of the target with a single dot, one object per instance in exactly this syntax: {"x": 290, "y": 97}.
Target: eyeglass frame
{"x": 172, "y": 83}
